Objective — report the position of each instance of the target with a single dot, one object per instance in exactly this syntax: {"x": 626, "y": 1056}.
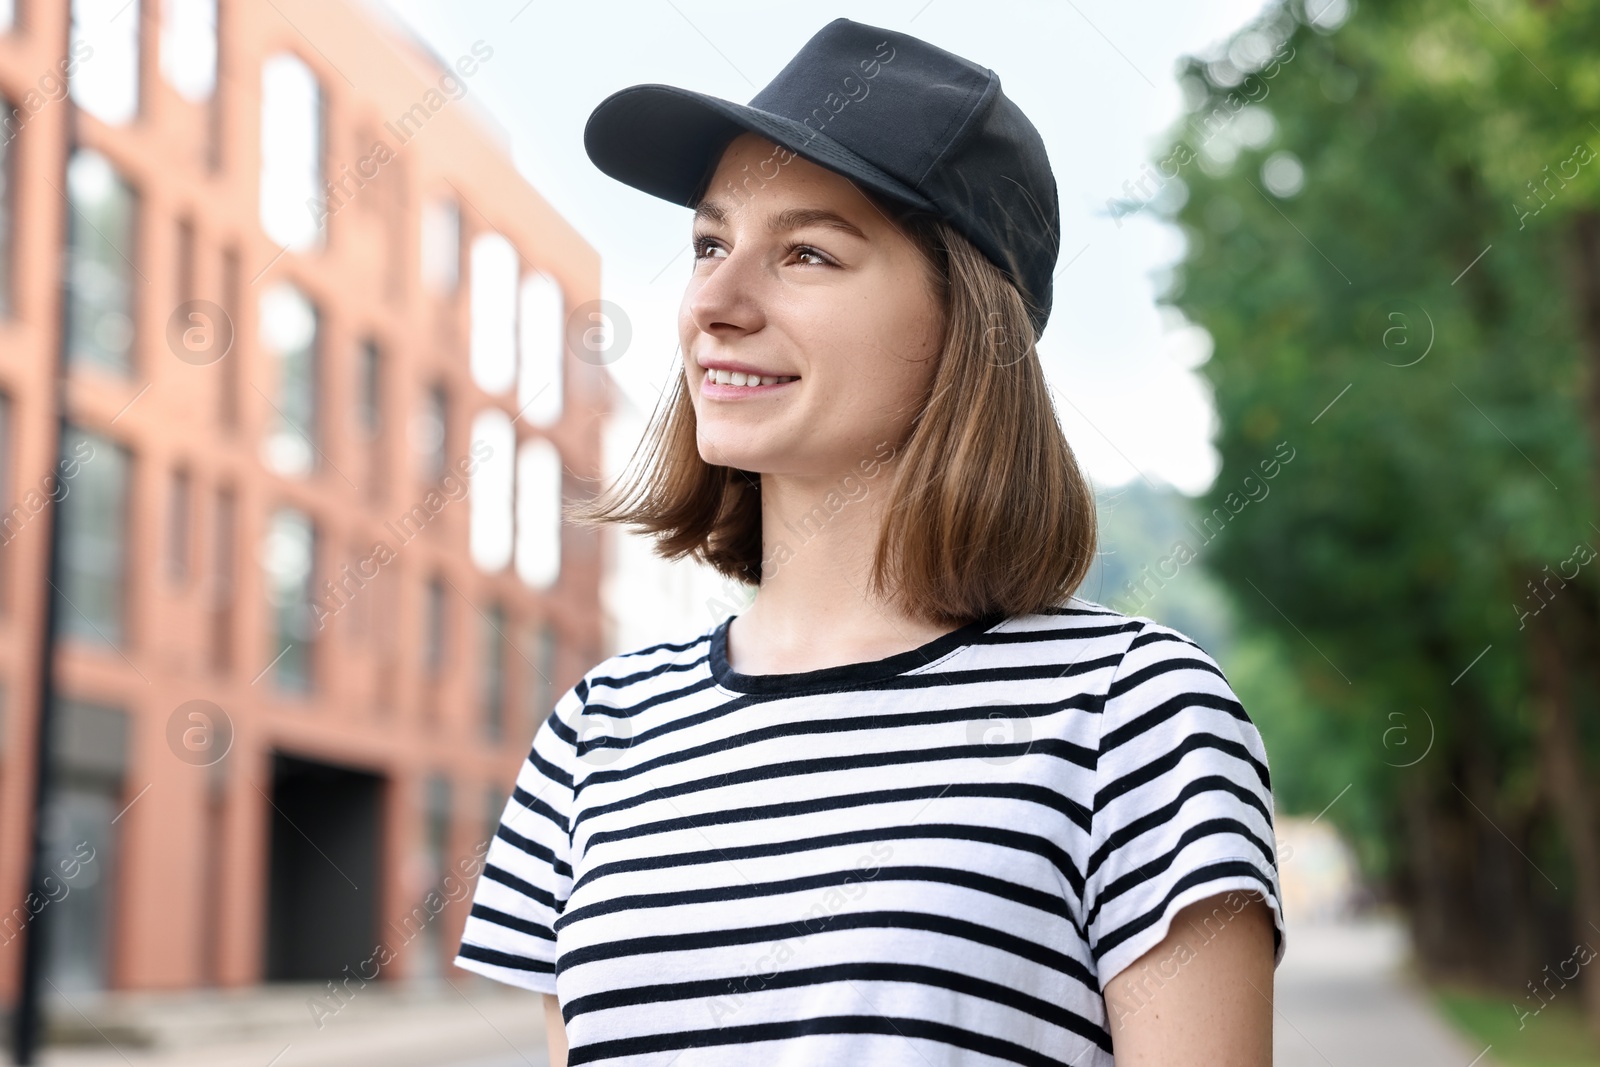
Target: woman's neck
{"x": 814, "y": 608}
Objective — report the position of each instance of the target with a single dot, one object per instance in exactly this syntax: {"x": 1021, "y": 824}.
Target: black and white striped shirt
{"x": 940, "y": 857}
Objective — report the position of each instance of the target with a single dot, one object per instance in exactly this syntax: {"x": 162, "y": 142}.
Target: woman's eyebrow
{"x": 788, "y": 219}
{"x": 796, "y": 217}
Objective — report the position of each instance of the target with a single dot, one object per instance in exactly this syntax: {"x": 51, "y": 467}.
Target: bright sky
{"x": 1095, "y": 76}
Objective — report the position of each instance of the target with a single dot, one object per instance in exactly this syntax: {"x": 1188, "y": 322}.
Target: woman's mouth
{"x": 734, "y": 377}
{"x": 735, "y": 385}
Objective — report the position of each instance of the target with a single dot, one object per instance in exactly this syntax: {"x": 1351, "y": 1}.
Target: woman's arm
{"x": 1203, "y": 996}
{"x": 555, "y": 1031}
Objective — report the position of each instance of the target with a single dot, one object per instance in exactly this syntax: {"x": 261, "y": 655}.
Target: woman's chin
{"x": 736, "y": 451}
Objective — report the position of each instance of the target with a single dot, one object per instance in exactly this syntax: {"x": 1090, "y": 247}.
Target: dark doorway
{"x": 322, "y": 913}
{"x": 89, "y": 751}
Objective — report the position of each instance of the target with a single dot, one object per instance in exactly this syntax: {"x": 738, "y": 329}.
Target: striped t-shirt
{"x": 936, "y": 858}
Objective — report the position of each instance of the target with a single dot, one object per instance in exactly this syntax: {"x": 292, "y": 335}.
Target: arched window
{"x": 441, "y": 245}
{"x": 101, "y": 251}
{"x": 289, "y": 558}
{"x": 493, "y": 441}
{"x": 189, "y": 47}
{"x": 494, "y": 313}
{"x": 106, "y": 85}
{"x": 289, "y": 340}
{"x": 538, "y": 513}
{"x": 540, "y": 336}
{"x": 293, "y": 202}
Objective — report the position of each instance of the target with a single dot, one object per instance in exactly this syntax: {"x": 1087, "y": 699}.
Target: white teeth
{"x": 724, "y": 377}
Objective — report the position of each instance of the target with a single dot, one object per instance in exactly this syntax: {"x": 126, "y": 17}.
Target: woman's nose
{"x": 727, "y": 293}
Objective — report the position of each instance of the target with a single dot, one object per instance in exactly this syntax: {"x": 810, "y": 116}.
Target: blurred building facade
{"x": 304, "y": 302}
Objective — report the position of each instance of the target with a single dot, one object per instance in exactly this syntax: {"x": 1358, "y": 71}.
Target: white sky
{"x": 1095, "y": 76}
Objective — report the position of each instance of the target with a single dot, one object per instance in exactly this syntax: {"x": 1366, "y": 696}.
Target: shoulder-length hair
{"x": 988, "y": 511}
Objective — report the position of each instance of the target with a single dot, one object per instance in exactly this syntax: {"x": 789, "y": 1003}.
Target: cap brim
{"x": 666, "y": 141}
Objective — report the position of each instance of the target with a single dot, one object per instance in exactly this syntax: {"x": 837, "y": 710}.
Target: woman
{"x": 918, "y": 804}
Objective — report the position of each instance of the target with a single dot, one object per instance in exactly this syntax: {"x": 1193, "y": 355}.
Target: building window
{"x": 437, "y": 804}
{"x": 369, "y": 413}
{"x": 293, "y": 201}
{"x": 185, "y": 260}
{"x": 178, "y": 494}
{"x": 494, "y": 673}
{"x": 490, "y": 503}
{"x": 289, "y": 339}
{"x": 94, "y": 519}
{"x": 542, "y": 342}
{"x": 494, "y": 313}
{"x": 538, "y": 512}
{"x": 222, "y": 555}
{"x": 368, "y": 390}
{"x": 11, "y": 521}
{"x": 433, "y": 628}
{"x": 107, "y": 87}
{"x": 542, "y": 665}
{"x": 438, "y": 825}
{"x": 441, "y": 246}
{"x": 431, "y": 433}
{"x": 100, "y": 269}
{"x": 289, "y": 557}
{"x": 387, "y": 655}
{"x": 494, "y": 809}
{"x": 7, "y": 199}
{"x": 232, "y": 302}
{"x": 189, "y": 47}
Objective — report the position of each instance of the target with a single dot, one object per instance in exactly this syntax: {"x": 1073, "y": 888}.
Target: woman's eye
{"x": 704, "y": 245}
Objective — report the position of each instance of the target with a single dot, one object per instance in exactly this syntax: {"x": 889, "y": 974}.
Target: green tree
{"x": 1394, "y": 239}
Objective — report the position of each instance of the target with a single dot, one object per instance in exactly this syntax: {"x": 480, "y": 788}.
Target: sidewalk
{"x": 466, "y": 1023}
{"x": 1343, "y": 1000}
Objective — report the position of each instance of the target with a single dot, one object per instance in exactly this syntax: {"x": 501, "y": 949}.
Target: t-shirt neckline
{"x": 844, "y": 675}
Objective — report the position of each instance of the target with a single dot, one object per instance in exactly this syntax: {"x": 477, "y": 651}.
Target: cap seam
{"x": 986, "y": 94}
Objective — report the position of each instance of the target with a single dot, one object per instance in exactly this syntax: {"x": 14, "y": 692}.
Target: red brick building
{"x": 304, "y": 303}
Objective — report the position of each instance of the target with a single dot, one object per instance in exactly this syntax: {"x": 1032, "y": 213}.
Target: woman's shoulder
{"x": 681, "y": 650}
{"x": 1140, "y": 663}
{"x": 1133, "y": 637}
{"x": 1164, "y": 677}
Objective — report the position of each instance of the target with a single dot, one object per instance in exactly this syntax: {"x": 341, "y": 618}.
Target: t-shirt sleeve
{"x": 527, "y": 873}
{"x": 1183, "y": 802}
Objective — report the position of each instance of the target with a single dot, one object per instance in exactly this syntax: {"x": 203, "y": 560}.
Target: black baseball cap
{"x": 905, "y": 119}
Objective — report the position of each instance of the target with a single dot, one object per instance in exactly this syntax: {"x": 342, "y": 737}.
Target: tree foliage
{"x": 1386, "y": 223}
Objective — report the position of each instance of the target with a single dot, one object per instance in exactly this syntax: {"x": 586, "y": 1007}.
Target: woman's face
{"x": 798, "y": 276}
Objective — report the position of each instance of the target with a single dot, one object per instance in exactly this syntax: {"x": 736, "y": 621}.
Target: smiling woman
{"x": 919, "y": 803}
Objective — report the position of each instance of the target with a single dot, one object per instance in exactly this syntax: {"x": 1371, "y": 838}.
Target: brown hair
{"x": 988, "y": 511}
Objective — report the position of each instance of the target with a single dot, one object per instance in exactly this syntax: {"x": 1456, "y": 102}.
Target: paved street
{"x": 1342, "y": 1002}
